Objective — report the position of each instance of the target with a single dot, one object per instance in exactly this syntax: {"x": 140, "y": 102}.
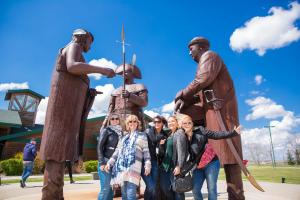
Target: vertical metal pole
{"x": 272, "y": 147}
{"x": 123, "y": 50}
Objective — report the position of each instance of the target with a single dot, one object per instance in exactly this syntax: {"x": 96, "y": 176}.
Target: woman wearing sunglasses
{"x": 174, "y": 151}
{"x": 126, "y": 162}
{"x": 154, "y": 135}
{"x": 107, "y": 143}
{"x": 201, "y": 153}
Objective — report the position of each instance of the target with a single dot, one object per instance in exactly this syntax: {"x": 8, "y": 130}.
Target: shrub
{"x": 12, "y": 166}
{"x": 19, "y": 155}
{"x": 91, "y": 166}
{"x": 39, "y": 165}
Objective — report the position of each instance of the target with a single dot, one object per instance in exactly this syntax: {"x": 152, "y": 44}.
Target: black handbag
{"x": 182, "y": 184}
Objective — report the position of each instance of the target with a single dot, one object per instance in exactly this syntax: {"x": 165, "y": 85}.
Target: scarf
{"x": 126, "y": 155}
{"x": 117, "y": 129}
{"x": 167, "y": 161}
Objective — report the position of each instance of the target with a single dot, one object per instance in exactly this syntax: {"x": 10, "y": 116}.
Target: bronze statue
{"x": 133, "y": 98}
{"x": 69, "y": 103}
{"x": 213, "y": 80}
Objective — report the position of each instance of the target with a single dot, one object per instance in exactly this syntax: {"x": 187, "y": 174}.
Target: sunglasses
{"x": 132, "y": 122}
{"x": 157, "y": 122}
{"x": 114, "y": 118}
{"x": 187, "y": 123}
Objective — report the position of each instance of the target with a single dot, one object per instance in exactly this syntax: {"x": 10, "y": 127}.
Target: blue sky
{"x": 31, "y": 32}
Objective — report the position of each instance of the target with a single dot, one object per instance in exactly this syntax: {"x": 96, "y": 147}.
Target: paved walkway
{"x": 88, "y": 190}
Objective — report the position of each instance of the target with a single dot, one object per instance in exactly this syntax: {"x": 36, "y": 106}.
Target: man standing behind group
{"x": 29, "y": 155}
{"x": 69, "y": 103}
{"x": 212, "y": 74}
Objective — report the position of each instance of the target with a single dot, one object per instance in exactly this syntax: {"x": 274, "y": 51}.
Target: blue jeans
{"x": 166, "y": 179}
{"x": 106, "y": 192}
{"x": 150, "y": 180}
{"x": 210, "y": 173}
{"x": 27, "y": 170}
{"x": 128, "y": 191}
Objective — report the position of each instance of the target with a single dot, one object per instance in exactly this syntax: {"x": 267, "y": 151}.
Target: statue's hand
{"x": 178, "y": 105}
{"x": 109, "y": 73}
{"x": 178, "y": 95}
{"x": 125, "y": 94}
{"x": 238, "y": 129}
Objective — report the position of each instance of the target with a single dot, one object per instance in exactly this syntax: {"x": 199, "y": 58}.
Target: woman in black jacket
{"x": 199, "y": 150}
{"x": 154, "y": 135}
{"x": 107, "y": 143}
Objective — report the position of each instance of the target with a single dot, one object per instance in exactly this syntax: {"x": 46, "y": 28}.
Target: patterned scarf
{"x": 126, "y": 155}
{"x": 117, "y": 129}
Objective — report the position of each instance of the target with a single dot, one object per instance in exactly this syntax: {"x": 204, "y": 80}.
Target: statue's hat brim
{"x": 128, "y": 67}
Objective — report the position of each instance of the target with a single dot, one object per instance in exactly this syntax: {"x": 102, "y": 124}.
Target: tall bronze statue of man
{"x": 69, "y": 103}
{"x": 213, "y": 81}
{"x": 133, "y": 99}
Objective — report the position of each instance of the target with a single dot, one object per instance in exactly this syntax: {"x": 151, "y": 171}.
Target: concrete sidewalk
{"x": 88, "y": 190}
{"x": 41, "y": 176}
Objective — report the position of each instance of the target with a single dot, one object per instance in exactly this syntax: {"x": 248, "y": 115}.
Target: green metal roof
{"x": 21, "y": 134}
{"x": 10, "y": 118}
{"x": 9, "y": 92}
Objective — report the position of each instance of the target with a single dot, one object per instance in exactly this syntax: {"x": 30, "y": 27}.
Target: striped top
{"x": 133, "y": 174}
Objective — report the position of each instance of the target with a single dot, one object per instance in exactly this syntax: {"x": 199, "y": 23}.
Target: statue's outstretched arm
{"x": 77, "y": 67}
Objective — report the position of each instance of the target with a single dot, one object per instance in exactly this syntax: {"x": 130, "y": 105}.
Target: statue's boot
{"x": 234, "y": 182}
{"x": 53, "y": 180}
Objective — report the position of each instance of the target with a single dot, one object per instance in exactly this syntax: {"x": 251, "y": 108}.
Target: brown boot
{"x": 234, "y": 182}
{"x": 53, "y": 180}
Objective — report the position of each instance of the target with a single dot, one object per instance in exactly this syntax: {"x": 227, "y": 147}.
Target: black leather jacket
{"x": 107, "y": 144}
{"x": 153, "y": 140}
{"x": 199, "y": 140}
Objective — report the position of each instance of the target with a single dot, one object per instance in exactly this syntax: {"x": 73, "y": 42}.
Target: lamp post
{"x": 272, "y": 147}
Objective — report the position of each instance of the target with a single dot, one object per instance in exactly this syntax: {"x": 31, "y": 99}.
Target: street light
{"x": 272, "y": 148}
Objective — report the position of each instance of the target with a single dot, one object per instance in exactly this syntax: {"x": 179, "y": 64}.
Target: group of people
{"x": 157, "y": 155}
{"x": 127, "y": 153}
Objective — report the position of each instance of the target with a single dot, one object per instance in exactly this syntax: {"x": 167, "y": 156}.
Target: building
{"x": 17, "y": 125}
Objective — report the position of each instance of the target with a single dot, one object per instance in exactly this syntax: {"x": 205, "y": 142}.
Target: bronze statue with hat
{"x": 213, "y": 91}
{"x": 133, "y": 99}
{"x": 69, "y": 103}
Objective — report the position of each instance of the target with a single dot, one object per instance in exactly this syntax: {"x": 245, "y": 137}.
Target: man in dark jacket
{"x": 29, "y": 155}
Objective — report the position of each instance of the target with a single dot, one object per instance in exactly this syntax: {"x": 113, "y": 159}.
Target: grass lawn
{"x": 79, "y": 178}
{"x": 270, "y": 174}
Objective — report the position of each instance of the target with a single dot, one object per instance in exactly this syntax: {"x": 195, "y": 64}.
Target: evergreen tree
{"x": 290, "y": 158}
{"x": 297, "y": 156}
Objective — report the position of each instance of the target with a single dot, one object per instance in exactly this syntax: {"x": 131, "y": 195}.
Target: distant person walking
{"x": 68, "y": 165}
{"x": 29, "y": 155}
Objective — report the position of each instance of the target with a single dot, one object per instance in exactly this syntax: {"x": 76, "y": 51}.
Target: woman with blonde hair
{"x": 174, "y": 151}
{"x": 126, "y": 162}
{"x": 202, "y": 155}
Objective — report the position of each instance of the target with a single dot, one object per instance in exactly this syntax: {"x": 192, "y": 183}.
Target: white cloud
{"x": 102, "y": 62}
{"x": 101, "y": 102}
{"x": 269, "y": 32}
{"x": 165, "y": 110}
{"x": 168, "y": 108}
{"x": 41, "y": 111}
{"x": 151, "y": 113}
{"x": 259, "y": 79}
{"x": 254, "y": 92}
{"x": 283, "y": 132}
{"x": 13, "y": 86}
{"x": 264, "y": 108}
